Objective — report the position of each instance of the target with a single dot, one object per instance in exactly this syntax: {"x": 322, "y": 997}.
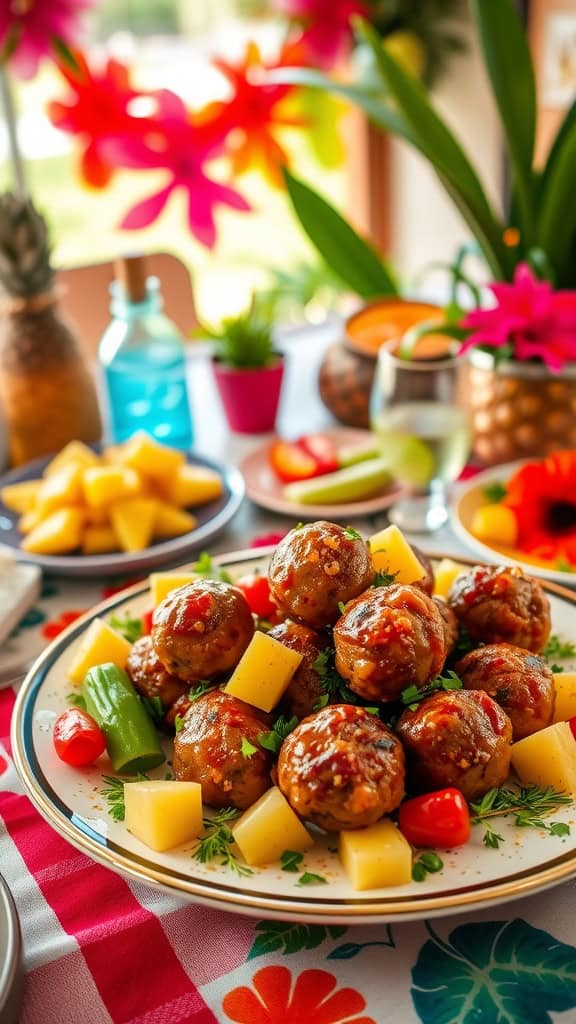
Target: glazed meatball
{"x": 202, "y": 629}
{"x": 461, "y": 738}
{"x": 342, "y": 768}
{"x": 426, "y": 583}
{"x": 317, "y": 567}
{"x": 150, "y": 677}
{"x": 450, "y": 623}
{"x": 518, "y": 680}
{"x": 306, "y": 685}
{"x": 501, "y": 605}
{"x": 208, "y": 750}
{"x": 390, "y": 638}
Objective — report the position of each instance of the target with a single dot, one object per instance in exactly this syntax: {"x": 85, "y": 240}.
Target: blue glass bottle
{"x": 143, "y": 362}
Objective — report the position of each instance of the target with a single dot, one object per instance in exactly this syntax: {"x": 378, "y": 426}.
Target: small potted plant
{"x": 248, "y": 370}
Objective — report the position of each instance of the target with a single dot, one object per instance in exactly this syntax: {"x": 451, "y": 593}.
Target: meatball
{"x": 426, "y": 583}
{"x": 450, "y": 623}
{"x": 390, "y": 638}
{"x": 501, "y": 605}
{"x": 518, "y": 680}
{"x": 342, "y": 768}
{"x": 202, "y": 629}
{"x": 208, "y": 750}
{"x": 461, "y": 738}
{"x": 316, "y": 568}
{"x": 306, "y": 685}
{"x": 150, "y": 677}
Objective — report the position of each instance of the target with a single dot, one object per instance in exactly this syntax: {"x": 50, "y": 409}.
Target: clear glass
{"x": 422, "y": 427}
{"x": 143, "y": 365}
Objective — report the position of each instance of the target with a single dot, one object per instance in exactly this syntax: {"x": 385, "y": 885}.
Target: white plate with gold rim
{"x": 70, "y": 799}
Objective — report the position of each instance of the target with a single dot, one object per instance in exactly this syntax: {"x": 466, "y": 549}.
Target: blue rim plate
{"x": 212, "y": 518}
{"x": 71, "y": 800}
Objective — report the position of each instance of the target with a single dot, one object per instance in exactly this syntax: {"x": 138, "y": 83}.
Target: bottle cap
{"x": 131, "y": 273}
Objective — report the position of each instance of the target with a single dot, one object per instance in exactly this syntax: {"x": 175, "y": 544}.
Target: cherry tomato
{"x": 147, "y": 622}
{"x": 572, "y": 724}
{"x": 438, "y": 819}
{"x": 78, "y": 739}
{"x": 256, "y": 590}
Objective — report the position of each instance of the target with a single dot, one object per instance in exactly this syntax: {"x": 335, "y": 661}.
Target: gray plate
{"x": 11, "y": 972}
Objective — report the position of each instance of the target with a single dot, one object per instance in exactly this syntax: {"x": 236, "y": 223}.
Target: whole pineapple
{"x": 47, "y": 393}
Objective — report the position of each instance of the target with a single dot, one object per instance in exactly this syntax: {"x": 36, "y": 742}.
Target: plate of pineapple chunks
{"x": 103, "y": 510}
{"x": 215, "y": 794}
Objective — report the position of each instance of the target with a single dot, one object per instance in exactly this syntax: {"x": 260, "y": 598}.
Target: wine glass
{"x": 420, "y": 422}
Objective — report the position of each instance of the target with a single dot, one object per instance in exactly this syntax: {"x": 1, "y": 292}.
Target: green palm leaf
{"x": 557, "y": 221}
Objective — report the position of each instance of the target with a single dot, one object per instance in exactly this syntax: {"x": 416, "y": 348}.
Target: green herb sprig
{"x": 205, "y": 567}
{"x": 131, "y": 628}
{"x": 529, "y": 805}
{"x": 334, "y": 687}
{"x": 204, "y": 686}
{"x": 274, "y": 739}
{"x": 113, "y": 793}
{"x": 558, "y": 648}
{"x": 218, "y": 841}
{"x": 310, "y": 878}
{"x": 495, "y": 492}
{"x": 412, "y": 696}
{"x": 291, "y": 860}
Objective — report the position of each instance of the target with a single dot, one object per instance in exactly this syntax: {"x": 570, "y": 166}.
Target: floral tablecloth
{"x": 99, "y": 948}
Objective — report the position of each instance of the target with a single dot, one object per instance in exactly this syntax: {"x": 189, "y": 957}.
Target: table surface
{"x": 98, "y": 948}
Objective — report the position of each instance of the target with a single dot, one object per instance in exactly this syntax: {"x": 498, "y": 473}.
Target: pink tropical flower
{"x": 531, "y": 318}
{"x": 181, "y": 146}
{"x": 29, "y": 28}
{"x": 314, "y": 998}
{"x": 326, "y": 26}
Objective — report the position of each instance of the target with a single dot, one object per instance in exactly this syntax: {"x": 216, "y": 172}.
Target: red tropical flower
{"x": 95, "y": 110}
{"x": 29, "y": 29}
{"x": 313, "y": 999}
{"x": 256, "y": 112}
{"x": 542, "y": 495}
{"x": 327, "y": 26}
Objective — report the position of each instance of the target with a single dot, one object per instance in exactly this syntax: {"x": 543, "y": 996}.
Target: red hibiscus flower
{"x": 543, "y": 497}
{"x": 327, "y": 29}
{"x": 29, "y": 28}
{"x": 313, "y": 1000}
{"x": 530, "y": 320}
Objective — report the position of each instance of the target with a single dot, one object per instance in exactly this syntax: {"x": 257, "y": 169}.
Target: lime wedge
{"x": 409, "y": 459}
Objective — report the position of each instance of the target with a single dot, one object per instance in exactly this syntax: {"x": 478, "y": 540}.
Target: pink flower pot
{"x": 250, "y": 397}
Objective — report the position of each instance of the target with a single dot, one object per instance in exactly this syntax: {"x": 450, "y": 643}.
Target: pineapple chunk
{"x": 99, "y": 645}
{"x": 30, "y": 520}
{"x": 263, "y": 672}
{"x": 392, "y": 553}
{"x": 376, "y": 856}
{"x": 164, "y": 813}
{"x": 133, "y": 522}
{"x": 97, "y": 540}
{"x": 148, "y": 456}
{"x": 547, "y": 758}
{"x": 269, "y": 827}
{"x": 444, "y": 575}
{"x": 565, "y": 702}
{"x": 20, "y": 497}
{"x": 162, "y": 583}
{"x": 63, "y": 487}
{"x": 106, "y": 484}
{"x": 496, "y": 524}
{"x": 172, "y": 522}
{"x": 97, "y": 517}
{"x": 58, "y": 534}
{"x": 192, "y": 485}
{"x": 74, "y": 452}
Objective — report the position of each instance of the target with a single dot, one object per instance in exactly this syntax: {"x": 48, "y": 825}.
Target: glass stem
{"x": 11, "y": 130}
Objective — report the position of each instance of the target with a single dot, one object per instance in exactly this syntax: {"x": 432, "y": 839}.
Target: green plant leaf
{"x": 556, "y": 230}
{"x": 345, "y": 252}
{"x": 509, "y": 65}
{"x": 429, "y": 134}
{"x": 504, "y": 971}
{"x": 566, "y": 129}
{"x": 289, "y": 938}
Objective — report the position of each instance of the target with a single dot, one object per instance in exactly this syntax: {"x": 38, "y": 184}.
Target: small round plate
{"x": 72, "y": 801}
{"x": 265, "y": 489}
{"x": 11, "y": 972}
{"x": 470, "y": 499}
{"x": 212, "y": 518}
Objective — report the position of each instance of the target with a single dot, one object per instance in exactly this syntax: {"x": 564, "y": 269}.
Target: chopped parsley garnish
{"x": 130, "y": 628}
{"x": 384, "y": 579}
{"x": 341, "y": 607}
{"x": 218, "y": 841}
{"x": 528, "y": 804}
{"x": 463, "y": 644}
{"x": 247, "y": 749}
{"x": 77, "y": 700}
{"x": 309, "y": 878}
{"x": 204, "y": 686}
{"x": 291, "y": 860}
{"x": 274, "y": 739}
{"x": 113, "y": 793}
{"x": 426, "y": 863}
{"x": 333, "y": 684}
{"x": 495, "y": 492}
{"x": 412, "y": 696}
{"x": 351, "y": 534}
{"x": 154, "y": 707}
{"x": 205, "y": 567}
{"x": 178, "y": 723}
{"x": 558, "y": 648}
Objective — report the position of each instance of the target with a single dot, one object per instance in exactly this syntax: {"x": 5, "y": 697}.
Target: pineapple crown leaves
{"x": 25, "y": 268}
{"x": 245, "y": 340}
